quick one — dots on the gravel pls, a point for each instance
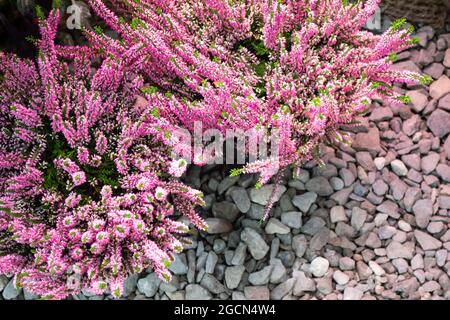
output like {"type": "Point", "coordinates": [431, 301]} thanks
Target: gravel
{"type": "Point", "coordinates": [256, 245]}
{"type": "Point", "coordinates": [149, 285]}
{"type": "Point", "coordinates": [197, 292]}
{"type": "Point", "coordinates": [319, 266]}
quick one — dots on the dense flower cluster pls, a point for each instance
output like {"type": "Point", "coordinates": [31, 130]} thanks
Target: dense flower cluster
{"type": "Point", "coordinates": [303, 67]}
{"type": "Point", "coordinates": [88, 184]}
{"type": "Point", "coordinates": [190, 57]}
{"type": "Point", "coordinates": [300, 67]}
{"type": "Point", "coordinates": [86, 196]}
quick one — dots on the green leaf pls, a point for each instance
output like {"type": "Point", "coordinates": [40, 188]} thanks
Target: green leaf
{"type": "Point", "coordinates": [168, 94]}
{"type": "Point", "coordinates": [426, 80]}
{"type": "Point", "coordinates": [10, 213]}
{"type": "Point", "coordinates": [136, 23]}
{"type": "Point", "coordinates": [405, 99]}
{"type": "Point", "coordinates": [392, 56]}
{"type": "Point", "coordinates": [219, 84]}
{"type": "Point", "coordinates": [398, 24]}
{"type": "Point", "coordinates": [166, 263]}
{"type": "Point", "coordinates": [98, 30]}
{"type": "Point", "coordinates": [236, 172]}
{"type": "Point", "coordinates": [316, 101]}
{"type": "Point", "coordinates": [260, 69]}
{"type": "Point", "coordinates": [415, 40]}
{"type": "Point", "coordinates": [155, 112]}
{"type": "Point", "coordinates": [39, 12]}
{"type": "Point", "coordinates": [149, 90]}
{"type": "Point", "coordinates": [56, 4]}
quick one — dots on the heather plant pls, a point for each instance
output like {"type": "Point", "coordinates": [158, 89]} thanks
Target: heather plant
{"type": "Point", "coordinates": [300, 67]}
{"type": "Point", "coordinates": [88, 190]}
{"type": "Point", "coordinates": [192, 62]}
{"type": "Point", "coordinates": [88, 184]}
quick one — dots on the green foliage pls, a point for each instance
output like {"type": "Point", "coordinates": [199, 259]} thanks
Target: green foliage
{"type": "Point", "coordinates": [56, 148]}
{"type": "Point", "coordinates": [168, 94]}
{"type": "Point", "coordinates": [260, 69]}
{"type": "Point", "coordinates": [155, 112]}
{"type": "Point", "coordinates": [392, 56]}
{"type": "Point", "coordinates": [106, 174]}
{"type": "Point", "coordinates": [98, 30]}
{"type": "Point", "coordinates": [425, 80]}
{"type": "Point", "coordinates": [219, 84]}
{"type": "Point", "coordinates": [149, 90]}
{"type": "Point", "coordinates": [398, 24]}
{"type": "Point", "coordinates": [136, 23]}
{"type": "Point", "coordinates": [415, 40]}
{"type": "Point", "coordinates": [405, 99]}
{"type": "Point", "coordinates": [380, 84]}
{"type": "Point", "coordinates": [166, 263]}
{"type": "Point", "coordinates": [56, 4]}
{"type": "Point", "coordinates": [236, 172]}
{"type": "Point", "coordinates": [31, 39]}
{"type": "Point", "coordinates": [316, 101]}
{"type": "Point", "coordinates": [51, 179]}
{"type": "Point", "coordinates": [40, 12]}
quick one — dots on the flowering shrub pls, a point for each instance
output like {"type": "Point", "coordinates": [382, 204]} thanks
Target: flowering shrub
{"type": "Point", "coordinates": [86, 183]}
{"type": "Point", "coordinates": [300, 67]}
{"type": "Point", "coordinates": [190, 56]}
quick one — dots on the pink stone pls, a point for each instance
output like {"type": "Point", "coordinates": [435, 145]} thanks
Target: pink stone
{"type": "Point", "coordinates": [440, 87]}
{"type": "Point", "coordinates": [438, 122]}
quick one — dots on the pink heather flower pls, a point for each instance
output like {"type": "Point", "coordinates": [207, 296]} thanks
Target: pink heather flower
{"type": "Point", "coordinates": [101, 145]}
{"type": "Point", "coordinates": [74, 235]}
{"type": "Point", "coordinates": [11, 263]}
{"type": "Point", "coordinates": [149, 209]}
{"type": "Point", "coordinates": [121, 231]}
{"type": "Point", "coordinates": [113, 111]}
{"type": "Point", "coordinates": [72, 200]}
{"type": "Point", "coordinates": [78, 178]}
{"type": "Point", "coordinates": [95, 161]}
{"type": "Point", "coordinates": [106, 194]}
{"type": "Point", "coordinates": [76, 253]}
{"type": "Point", "coordinates": [102, 238]}
{"type": "Point", "coordinates": [177, 167]}
{"type": "Point", "coordinates": [98, 224]}
{"type": "Point", "coordinates": [143, 165]}
{"type": "Point", "coordinates": [99, 287]}
{"type": "Point", "coordinates": [138, 225]}
{"type": "Point", "coordinates": [96, 248]}
{"type": "Point", "coordinates": [117, 287]}
{"type": "Point", "coordinates": [148, 197]}
{"type": "Point", "coordinates": [161, 194]}
{"type": "Point", "coordinates": [143, 184]}
{"type": "Point", "coordinates": [68, 165]}
{"type": "Point", "coordinates": [87, 237]}
{"type": "Point", "coordinates": [130, 198]}
{"type": "Point", "coordinates": [69, 222]}
{"type": "Point", "coordinates": [125, 214]}
{"type": "Point", "coordinates": [83, 155]}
